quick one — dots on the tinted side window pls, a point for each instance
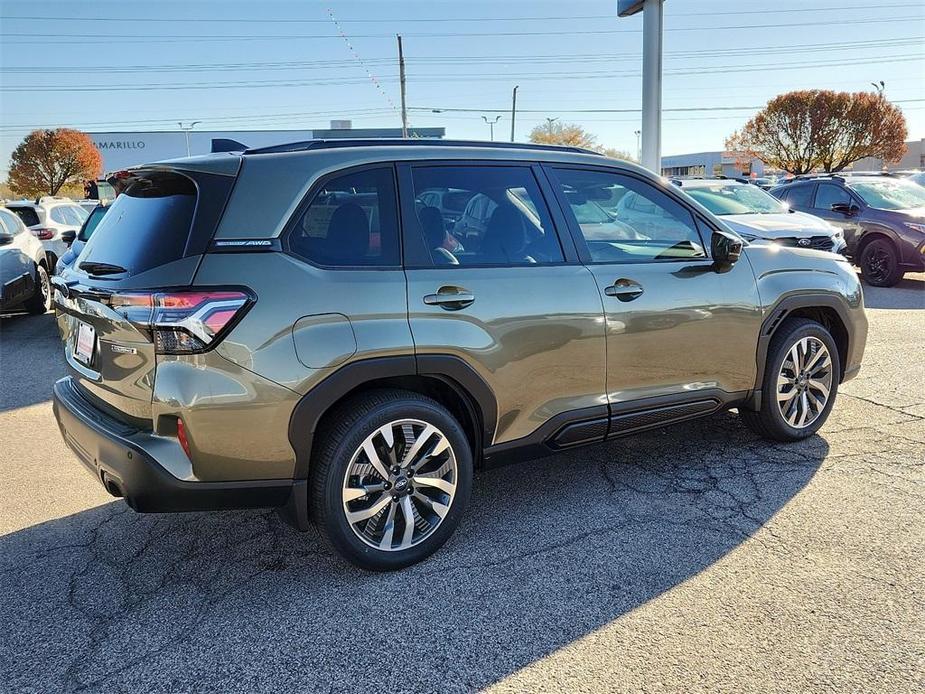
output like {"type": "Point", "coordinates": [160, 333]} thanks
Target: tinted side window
{"type": "Point", "coordinates": [28, 215]}
{"type": "Point", "coordinates": [623, 219]}
{"type": "Point", "coordinates": [799, 195]}
{"type": "Point", "coordinates": [351, 221]}
{"type": "Point", "coordinates": [504, 221]}
{"type": "Point", "coordinates": [828, 194]}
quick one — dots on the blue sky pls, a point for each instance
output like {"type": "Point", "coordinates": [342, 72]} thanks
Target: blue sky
{"type": "Point", "coordinates": [251, 65]}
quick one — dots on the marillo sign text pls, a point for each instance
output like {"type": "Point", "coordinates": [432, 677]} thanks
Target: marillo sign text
{"type": "Point", "coordinates": [125, 144]}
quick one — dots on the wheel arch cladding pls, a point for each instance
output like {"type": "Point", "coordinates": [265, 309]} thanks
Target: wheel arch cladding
{"type": "Point", "coordinates": [828, 310]}
{"type": "Point", "coordinates": [446, 379]}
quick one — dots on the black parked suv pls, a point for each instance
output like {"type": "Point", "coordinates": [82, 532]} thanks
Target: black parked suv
{"type": "Point", "coordinates": [883, 219]}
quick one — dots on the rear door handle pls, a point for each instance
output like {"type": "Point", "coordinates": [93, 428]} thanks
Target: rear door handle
{"type": "Point", "coordinates": [450, 298]}
{"type": "Point", "coordinates": [624, 289]}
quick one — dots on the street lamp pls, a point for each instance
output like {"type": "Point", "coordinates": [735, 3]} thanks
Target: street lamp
{"type": "Point", "coordinates": [638, 152]}
{"type": "Point", "coordinates": [186, 130]}
{"type": "Point", "coordinates": [491, 124]}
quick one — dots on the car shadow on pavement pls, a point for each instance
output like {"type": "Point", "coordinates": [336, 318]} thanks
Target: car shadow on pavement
{"type": "Point", "coordinates": [30, 353]}
{"type": "Point", "coordinates": [549, 551]}
{"type": "Point", "coordinates": [909, 293]}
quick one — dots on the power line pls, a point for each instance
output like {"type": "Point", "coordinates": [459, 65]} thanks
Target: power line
{"type": "Point", "coordinates": [447, 79]}
{"type": "Point", "coordinates": [181, 38]}
{"type": "Point", "coordinates": [263, 20]}
{"type": "Point", "coordinates": [467, 59]}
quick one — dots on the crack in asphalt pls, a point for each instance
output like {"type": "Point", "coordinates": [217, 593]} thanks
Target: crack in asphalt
{"type": "Point", "coordinates": [618, 524]}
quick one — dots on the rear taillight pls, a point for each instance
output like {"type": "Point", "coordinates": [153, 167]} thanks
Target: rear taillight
{"type": "Point", "coordinates": [183, 322]}
{"type": "Point", "coordinates": [43, 234]}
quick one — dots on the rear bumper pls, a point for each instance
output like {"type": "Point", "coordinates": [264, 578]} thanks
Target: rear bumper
{"type": "Point", "coordinates": [114, 453]}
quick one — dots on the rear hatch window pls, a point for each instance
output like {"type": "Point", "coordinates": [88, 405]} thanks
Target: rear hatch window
{"type": "Point", "coordinates": [28, 215]}
{"type": "Point", "coordinates": [147, 226]}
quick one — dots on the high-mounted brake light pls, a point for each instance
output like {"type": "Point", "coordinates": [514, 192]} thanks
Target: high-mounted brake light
{"type": "Point", "coordinates": [182, 322]}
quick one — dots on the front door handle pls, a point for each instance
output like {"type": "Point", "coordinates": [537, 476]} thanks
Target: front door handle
{"type": "Point", "coordinates": [450, 298]}
{"type": "Point", "coordinates": [624, 289]}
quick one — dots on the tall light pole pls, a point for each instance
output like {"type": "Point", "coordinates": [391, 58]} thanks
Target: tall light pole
{"type": "Point", "coordinates": [186, 130]}
{"type": "Point", "coordinates": [491, 124]}
{"type": "Point", "coordinates": [638, 152]}
{"type": "Point", "coordinates": [652, 21]}
{"type": "Point", "coordinates": [513, 111]}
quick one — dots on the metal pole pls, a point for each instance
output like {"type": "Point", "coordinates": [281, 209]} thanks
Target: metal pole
{"type": "Point", "coordinates": [513, 111]}
{"type": "Point", "coordinates": [401, 79]}
{"type": "Point", "coordinates": [652, 85]}
{"type": "Point", "coordinates": [491, 125]}
{"type": "Point", "coordinates": [186, 132]}
{"type": "Point", "coordinates": [638, 152]}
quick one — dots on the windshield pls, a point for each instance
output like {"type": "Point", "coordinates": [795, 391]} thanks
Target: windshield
{"type": "Point", "coordinates": [736, 199]}
{"type": "Point", "coordinates": [888, 194]}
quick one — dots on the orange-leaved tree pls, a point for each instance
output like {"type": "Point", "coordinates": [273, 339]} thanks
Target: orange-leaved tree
{"type": "Point", "coordinates": [814, 129]}
{"type": "Point", "coordinates": [47, 160]}
{"type": "Point", "coordinates": [555, 133]}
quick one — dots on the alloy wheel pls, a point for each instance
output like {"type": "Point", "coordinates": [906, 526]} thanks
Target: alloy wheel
{"type": "Point", "coordinates": [804, 382]}
{"type": "Point", "coordinates": [400, 484]}
{"type": "Point", "coordinates": [879, 265]}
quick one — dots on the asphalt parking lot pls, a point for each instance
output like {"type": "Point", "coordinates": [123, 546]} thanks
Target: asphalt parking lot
{"type": "Point", "coordinates": [691, 559]}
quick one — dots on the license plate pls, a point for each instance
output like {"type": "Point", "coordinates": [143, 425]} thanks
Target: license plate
{"type": "Point", "coordinates": [86, 341]}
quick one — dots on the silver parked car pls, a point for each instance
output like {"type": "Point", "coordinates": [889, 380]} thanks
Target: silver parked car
{"type": "Point", "coordinates": [754, 214]}
{"type": "Point", "coordinates": [23, 271]}
{"type": "Point", "coordinates": [53, 220]}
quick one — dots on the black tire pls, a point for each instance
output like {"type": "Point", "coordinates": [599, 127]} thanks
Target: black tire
{"type": "Point", "coordinates": [880, 263]}
{"type": "Point", "coordinates": [769, 422]}
{"type": "Point", "coordinates": [344, 432]}
{"type": "Point", "coordinates": [40, 301]}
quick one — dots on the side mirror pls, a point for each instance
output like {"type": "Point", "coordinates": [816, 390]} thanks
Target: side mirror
{"type": "Point", "coordinates": [845, 208]}
{"type": "Point", "coordinates": [725, 248]}
{"type": "Point", "coordinates": [68, 236]}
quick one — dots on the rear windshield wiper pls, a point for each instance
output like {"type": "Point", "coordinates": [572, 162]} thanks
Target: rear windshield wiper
{"type": "Point", "coordinates": [101, 268]}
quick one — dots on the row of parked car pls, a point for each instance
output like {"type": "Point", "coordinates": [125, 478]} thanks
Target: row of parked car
{"type": "Point", "coordinates": [37, 238]}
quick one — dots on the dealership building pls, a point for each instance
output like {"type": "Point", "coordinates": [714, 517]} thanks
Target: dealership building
{"type": "Point", "coordinates": [120, 150]}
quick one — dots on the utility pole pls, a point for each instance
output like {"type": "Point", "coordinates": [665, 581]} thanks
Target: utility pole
{"type": "Point", "coordinates": [513, 111]}
{"type": "Point", "coordinates": [401, 79]}
{"type": "Point", "coordinates": [186, 130]}
{"type": "Point", "coordinates": [491, 124]}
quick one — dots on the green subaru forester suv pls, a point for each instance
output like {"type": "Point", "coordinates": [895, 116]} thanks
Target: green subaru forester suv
{"type": "Point", "coordinates": [348, 329]}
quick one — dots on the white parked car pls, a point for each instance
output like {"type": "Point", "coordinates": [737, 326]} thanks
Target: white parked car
{"type": "Point", "coordinates": [24, 280]}
{"type": "Point", "coordinates": [754, 214]}
{"type": "Point", "coordinates": [54, 221]}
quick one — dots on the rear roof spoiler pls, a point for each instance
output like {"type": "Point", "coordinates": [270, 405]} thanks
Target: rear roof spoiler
{"type": "Point", "coordinates": [221, 144]}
